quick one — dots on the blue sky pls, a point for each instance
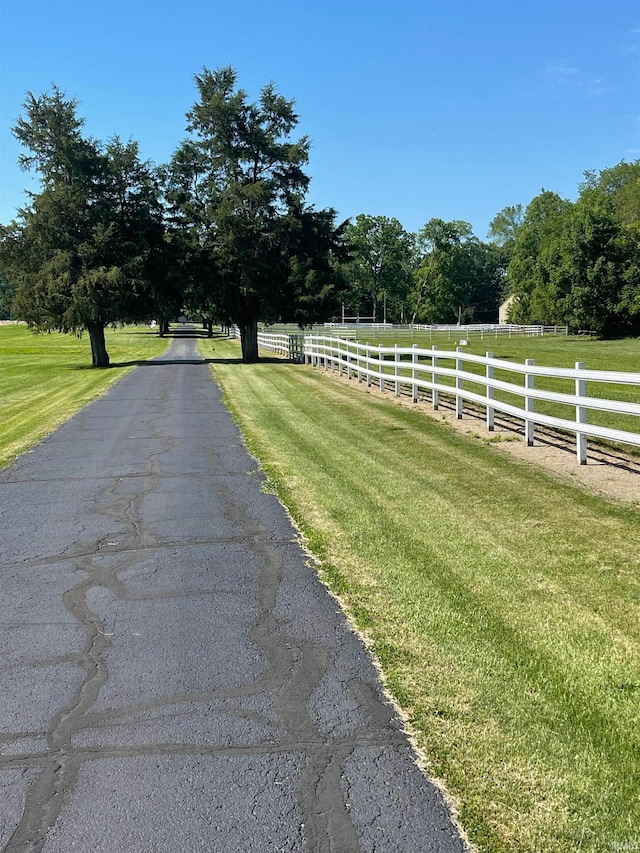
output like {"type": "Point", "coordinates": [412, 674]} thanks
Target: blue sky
{"type": "Point", "coordinates": [415, 109]}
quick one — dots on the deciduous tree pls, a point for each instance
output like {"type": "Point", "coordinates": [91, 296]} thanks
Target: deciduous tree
{"type": "Point", "coordinates": [579, 264]}
{"type": "Point", "coordinates": [459, 277]}
{"type": "Point", "coordinates": [504, 225]}
{"type": "Point", "coordinates": [534, 258]}
{"type": "Point", "coordinates": [380, 268]}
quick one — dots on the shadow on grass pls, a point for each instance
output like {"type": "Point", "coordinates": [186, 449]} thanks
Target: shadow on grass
{"type": "Point", "coordinates": [180, 333]}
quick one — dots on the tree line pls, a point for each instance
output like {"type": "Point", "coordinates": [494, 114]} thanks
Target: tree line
{"type": "Point", "coordinates": [224, 232]}
{"type": "Point", "coordinates": [577, 263]}
{"type": "Point", "coordinates": [564, 263]}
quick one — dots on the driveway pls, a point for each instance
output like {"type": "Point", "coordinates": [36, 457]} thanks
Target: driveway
{"type": "Point", "coordinates": [174, 676]}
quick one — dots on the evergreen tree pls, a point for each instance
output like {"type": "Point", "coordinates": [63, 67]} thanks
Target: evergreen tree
{"type": "Point", "coordinates": [238, 188]}
{"type": "Point", "coordinates": [80, 253]}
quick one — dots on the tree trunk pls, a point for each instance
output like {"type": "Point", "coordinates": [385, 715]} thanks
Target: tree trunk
{"type": "Point", "coordinates": [99, 354]}
{"type": "Point", "coordinates": [249, 341]}
{"type": "Point", "coordinates": [165, 327]}
{"type": "Point", "coordinates": [210, 327]}
{"type": "Point", "coordinates": [161, 328]}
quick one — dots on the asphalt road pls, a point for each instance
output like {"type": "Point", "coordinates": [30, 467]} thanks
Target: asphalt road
{"type": "Point", "coordinates": [173, 675]}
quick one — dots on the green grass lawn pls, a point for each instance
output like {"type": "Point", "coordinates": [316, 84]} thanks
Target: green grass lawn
{"type": "Point", "coordinates": [45, 379]}
{"type": "Point", "coordinates": [502, 605]}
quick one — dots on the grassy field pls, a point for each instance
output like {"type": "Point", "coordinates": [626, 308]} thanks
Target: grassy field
{"type": "Point", "coordinates": [502, 605]}
{"type": "Point", "coordinates": [45, 379]}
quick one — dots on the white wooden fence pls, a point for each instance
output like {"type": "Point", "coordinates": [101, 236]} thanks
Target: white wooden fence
{"type": "Point", "coordinates": [288, 346]}
{"type": "Point", "coordinates": [497, 329]}
{"type": "Point", "coordinates": [460, 330]}
{"type": "Point", "coordinates": [417, 370]}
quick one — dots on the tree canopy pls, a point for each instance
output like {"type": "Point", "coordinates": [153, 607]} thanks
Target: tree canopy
{"type": "Point", "coordinates": [459, 278]}
{"type": "Point", "coordinates": [224, 231]}
{"type": "Point", "coordinates": [7, 292]}
{"type": "Point", "coordinates": [379, 270]}
{"type": "Point", "coordinates": [504, 225]}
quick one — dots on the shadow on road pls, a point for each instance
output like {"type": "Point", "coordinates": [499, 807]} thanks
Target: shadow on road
{"type": "Point", "coordinates": [160, 362]}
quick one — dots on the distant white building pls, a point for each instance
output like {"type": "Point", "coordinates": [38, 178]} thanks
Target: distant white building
{"type": "Point", "coordinates": [505, 309]}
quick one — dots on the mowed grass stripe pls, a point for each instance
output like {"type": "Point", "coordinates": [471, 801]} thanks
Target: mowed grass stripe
{"type": "Point", "coordinates": [502, 605]}
{"type": "Point", "coordinates": [381, 501]}
{"type": "Point", "coordinates": [510, 533]}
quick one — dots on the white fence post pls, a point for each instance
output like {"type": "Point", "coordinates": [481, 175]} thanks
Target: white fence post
{"type": "Point", "coordinates": [368, 356]}
{"type": "Point", "coordinates": [581, 418]}
{"type": "Point", "coordinates": [490, 393]}
{"type": "Point", "coordinates": [381, 366]}
{"type": "Point", "coordinates": [459, 384]}
{"type": "Point", "coordinates": [529, 403]}
{"type": "Point", "coordinates": [397, 370]}
{"type": "Point", "coordinates": [435, 397]}
{"type": "Point", "coordinates": [414, 375]}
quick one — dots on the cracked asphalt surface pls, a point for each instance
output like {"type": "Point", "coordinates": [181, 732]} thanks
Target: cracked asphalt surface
{"type": "Point", "coordinates": [174, 676]}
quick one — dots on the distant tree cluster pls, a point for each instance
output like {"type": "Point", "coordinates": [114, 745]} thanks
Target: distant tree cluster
{"type": "Point", "coordinates": [578, 263]}
{"type": "Point", "coordinates": [574, 264]}
{"type": "Point", "coordinates": [442, 274]}
{"type": "Point", "coordinates": [224, 232]}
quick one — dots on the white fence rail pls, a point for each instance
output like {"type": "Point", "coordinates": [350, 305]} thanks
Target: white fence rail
{"type": "Point", "coordinates": [462, 330]}
{"type": "Point", "coordinates": [281, 343]}
{"type": "Point", "coordinates": [417, 370]}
